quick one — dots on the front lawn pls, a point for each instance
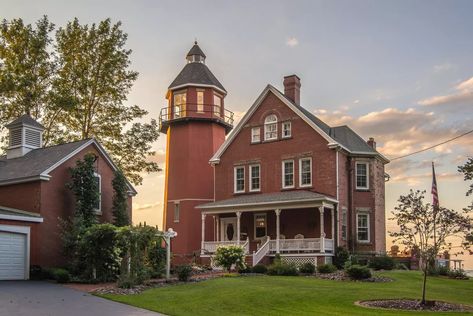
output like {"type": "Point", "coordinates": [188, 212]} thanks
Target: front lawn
{"type": "Point", "coordinates": [266, 295]}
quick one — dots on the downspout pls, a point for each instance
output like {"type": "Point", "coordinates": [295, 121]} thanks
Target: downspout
{"type": "Point", "coordinates": [350, 204]}
{"type": "Point", "coordinates": [338, 197]}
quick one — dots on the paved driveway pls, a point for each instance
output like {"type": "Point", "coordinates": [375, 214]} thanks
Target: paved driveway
{"type": "Point", "coordinates": [25, 298]}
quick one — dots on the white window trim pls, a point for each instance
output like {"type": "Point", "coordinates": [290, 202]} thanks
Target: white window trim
{"type": "Point", "coordinates": [368, 228]}
{"type": "Point", "coordinates": [178, 205]}
{"type": "Point", "coordinates": [253, 129]}
{"type": "Point", "coordinates": [235, 179]}
{"type": "Point", "coordinates": [271, 123]}
{"type": "Point", "coordinates": [367, 175]}
{"type": "Point", "coordinates": [219, 114]}
{"type": "Point", "coordinates": [181, 106]}
{"type": "Point", "coordinates": [251, 178]}
{"type": "Point", "coordinates": [300, 172]}
{"type": "Point", "coordinates": [290, 130]}
{"type": "Point", "coordinates": [283, 174]}
{"type": "Point", "coordinates": [265, 225]}
{"type": "Point", "coordinates": [99, 210]}
{"type": "Point", "coordinates": [25, 230]}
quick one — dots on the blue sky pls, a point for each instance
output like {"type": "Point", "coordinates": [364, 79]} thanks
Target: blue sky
{"type": "Point", "coordinates": [398, 71]}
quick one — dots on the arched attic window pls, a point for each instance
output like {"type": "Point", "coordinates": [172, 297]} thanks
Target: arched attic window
{"type": "Point", "coordinates": [271, 127]}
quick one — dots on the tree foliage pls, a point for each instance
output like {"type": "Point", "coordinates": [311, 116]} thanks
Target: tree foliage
{"type": "Point", "coordinates": [467, 170]}
{"type": "Point", "coordinates": [120, 200]}
{"type": "Point", "coordinates": [77, 87]}
{"type": "Point", "coordinates": [429, 229]}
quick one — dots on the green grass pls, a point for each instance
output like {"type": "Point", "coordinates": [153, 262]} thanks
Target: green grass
{"type": "Point", "coordinates": [265, 295]}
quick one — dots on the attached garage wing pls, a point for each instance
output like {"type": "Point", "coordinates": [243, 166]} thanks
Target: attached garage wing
{"type": "Point", "coordinates": [14, 255]}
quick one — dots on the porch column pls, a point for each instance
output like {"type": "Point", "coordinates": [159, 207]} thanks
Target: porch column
{"type": "Point", "coordinates": [217, 238]}
{"type": "Point", "coordinates": [238, 214]}
{"type": "Point", "coordinates": [322, 230]}
{"type": "Point", "coordinates": [332, 212]}
{"type": "Point", "coordinates": [278, 212]}
{"type": "Point", "coordinates": [203, 234]}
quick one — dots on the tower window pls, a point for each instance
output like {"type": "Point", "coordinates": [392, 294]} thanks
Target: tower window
{"type": "Point", "coordinates": [200, 101]}
{"type": "Point", "coordinates": [217, 105]}
{"type": "Point", "coordinates": [177, 211]}
{"type": "Point", "coordinates": [179, 105]}
{"type": "Point", "coordinates": [271, 127]}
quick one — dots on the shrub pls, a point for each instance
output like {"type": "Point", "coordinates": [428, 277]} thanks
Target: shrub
{"type": "Point", "coordinates": [184, 272]}
{"type": "Point", "coordinates": [281, 268]}
{"type": "Point", "coordinates": [307, 267]}
{"type": "Point", "coordinates": [37, 273]}
{"type": "Point", "coordinates": [259, 268]}
{"type": "Point", "coordinates": [382, 263]}
{"type": "Point", "coordinates": [326, 268]}
{"type": "Point", "coordinates": [458, 274]}
{"type": "Point", "coordinates": [443, 271]}
{"type": "Point", "coordinates": [60, 275]}
{"type": "Point", "coordinates": [358, 272]}
{"type": "Point", "coordinates": [227, 256]}
{"type": "Point", "coordinates": [341, 256]}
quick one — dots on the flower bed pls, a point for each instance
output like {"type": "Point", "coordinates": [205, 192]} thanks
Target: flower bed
{"type": "Point", "coordinates": [415, 305]}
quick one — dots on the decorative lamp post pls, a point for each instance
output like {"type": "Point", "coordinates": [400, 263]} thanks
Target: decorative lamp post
{"type": "Point", "coordinates": [167, 238]}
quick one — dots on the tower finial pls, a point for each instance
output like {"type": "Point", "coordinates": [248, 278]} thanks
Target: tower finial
{"type": "Point", "coordinates": [195, 40]}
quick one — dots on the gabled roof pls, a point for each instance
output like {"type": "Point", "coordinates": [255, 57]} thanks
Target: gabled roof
{"type": "Point", "coordinates": [196, 74]}
{"type": "Point", "coordinates": [39, 163]}
{"type": "Point", "coordinates": [341, 136]}
{"type": "Point", "coordinates": [25, 119]}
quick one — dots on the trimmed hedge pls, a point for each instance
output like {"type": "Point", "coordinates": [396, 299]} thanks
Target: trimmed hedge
{"type": "Point", "coordinates": [326, 268]}
{"type": "Point", "coordinates": [358, 272]}
{"type": "Point", "coordinates": [60, 275]}
{"type": "Point", "coordinates": [259, 268]}
{"type": "Point", "coordinates": [281, 268]}
{"type": "Point", "coordinates": [382, 263]}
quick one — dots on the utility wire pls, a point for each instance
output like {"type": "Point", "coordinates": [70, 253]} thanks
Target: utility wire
{"type": "Point", "coordinates": [436, 145]}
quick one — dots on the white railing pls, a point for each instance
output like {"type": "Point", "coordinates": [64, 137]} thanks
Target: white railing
{"type": "Point", "coordinates": [211, 246]}
{"type": "Point", "coordinates": [262, 251]}
{"type": "Point", "coordinates": [301, 245]}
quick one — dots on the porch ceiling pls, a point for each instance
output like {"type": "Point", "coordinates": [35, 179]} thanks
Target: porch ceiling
{"type": "Point", "coordinates": [265, 201]}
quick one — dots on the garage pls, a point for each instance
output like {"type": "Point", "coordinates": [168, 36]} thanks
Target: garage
{"type": "Point", "coordinates": [14, 259]}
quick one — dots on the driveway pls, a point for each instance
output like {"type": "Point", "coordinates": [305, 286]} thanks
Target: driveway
{"type": "Point", "coordinates": [25, 298]}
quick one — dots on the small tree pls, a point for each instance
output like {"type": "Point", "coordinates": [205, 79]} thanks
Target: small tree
{"type": "Point", "coordinates": [85, 188]}
{"type": "Point", "coordinates": [120, 200]}
{"type": "Point", "coordinates": [419, 222]}
{"type": "Point", "coordinates": [227, 256]}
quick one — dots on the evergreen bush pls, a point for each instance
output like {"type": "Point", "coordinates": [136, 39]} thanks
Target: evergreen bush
{"type": "Point", "coordinates": [358, 272]}
{"type": "Point", "coordinates": [326, 268]}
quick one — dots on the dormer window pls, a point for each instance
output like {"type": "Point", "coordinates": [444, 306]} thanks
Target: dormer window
{"type": "Point", "coordinates": [271, 127]}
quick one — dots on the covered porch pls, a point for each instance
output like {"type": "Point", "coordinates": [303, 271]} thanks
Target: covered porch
{"type": "Point", "coordinates": [293, 223]}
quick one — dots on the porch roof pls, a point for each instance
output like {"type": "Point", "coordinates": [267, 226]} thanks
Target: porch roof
{"type": "Point", "coordinates": [281, 200]}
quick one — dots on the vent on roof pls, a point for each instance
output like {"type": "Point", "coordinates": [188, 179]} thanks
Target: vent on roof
{"type": "Point", "coordinates": [15, 137]}
{"type": "Point", "coordinates": [32, 138]}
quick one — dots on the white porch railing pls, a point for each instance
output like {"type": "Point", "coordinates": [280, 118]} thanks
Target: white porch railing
{"type": "Point", "coordinates": [301, 245]}
{"type": "Point", "coordinates": [262, 251]}
{"type": "Point", "coordinates": [211, 246]}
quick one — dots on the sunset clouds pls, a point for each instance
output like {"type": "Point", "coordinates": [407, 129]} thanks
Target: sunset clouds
{"type": "Point", "coordinates": [463, 93]}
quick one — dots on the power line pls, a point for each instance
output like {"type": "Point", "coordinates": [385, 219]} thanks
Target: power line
{"type": "Point", "coordinates": [436, 145]}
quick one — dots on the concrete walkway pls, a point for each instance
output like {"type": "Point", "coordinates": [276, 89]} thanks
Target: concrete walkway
{"type": "Point", "coordinates": [26, 298]}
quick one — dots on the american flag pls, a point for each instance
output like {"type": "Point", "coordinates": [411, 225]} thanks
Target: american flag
{"type": "Point", "coordinates": [435, 196]}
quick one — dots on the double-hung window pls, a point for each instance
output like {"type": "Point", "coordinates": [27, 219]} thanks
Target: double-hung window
{"type": "Point", "coordinates": [98, 202]}
{"type": "Point", "coordinates": [305, 172]}
{"type": "Point", "coordinates": [362, 175]}
{"type": "Point", "coordinates": [255, 135]}
{"type": "Point", "coordinates": [255, 181]}
{"type": "Point", "coordinates": [363, 227]}
{"type": "Point", "coordinates": [239, 174]}
{"type": "Point", "coordinates": [271, 127]}
{"type": "Point", "coordinates": [286, 130]}
{"type": "Point", "coordinates": [288, 174]}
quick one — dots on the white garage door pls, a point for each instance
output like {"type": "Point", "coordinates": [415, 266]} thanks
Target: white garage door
{"type": "Point", "coordinates": [12, 256]}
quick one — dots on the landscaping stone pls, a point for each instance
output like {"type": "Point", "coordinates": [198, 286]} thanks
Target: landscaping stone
{"type": "Point", "coordinates": [415, 305]}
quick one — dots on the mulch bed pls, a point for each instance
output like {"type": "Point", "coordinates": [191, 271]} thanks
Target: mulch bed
{"type": "Point", "coordinates": [340, 275]}
{"type": "Point", "coordinates": [414, 305]}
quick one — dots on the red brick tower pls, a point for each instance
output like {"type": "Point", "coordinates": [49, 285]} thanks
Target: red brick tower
{"type": "Point", "coordinates": [195, 121]}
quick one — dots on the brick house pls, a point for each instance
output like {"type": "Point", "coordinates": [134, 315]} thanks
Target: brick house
{"type": "Point", "coordinates": [33, 196]}
{"type": "Point", "coordinates": [282, 182]}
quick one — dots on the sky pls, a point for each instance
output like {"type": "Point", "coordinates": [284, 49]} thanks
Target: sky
{"type": "Point", "coordinates": [398, 71]}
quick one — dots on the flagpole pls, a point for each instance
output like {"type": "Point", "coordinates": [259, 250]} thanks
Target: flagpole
{"type": "Point", "coordinates": [435, 206]}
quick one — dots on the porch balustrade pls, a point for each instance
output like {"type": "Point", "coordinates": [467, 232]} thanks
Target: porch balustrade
{"type": "Point", "coordinates": [300, 245]}
{"type": "Point", "coordinates": [211, 246]}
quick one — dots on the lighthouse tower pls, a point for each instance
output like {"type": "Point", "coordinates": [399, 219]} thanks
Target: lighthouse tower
{"type": "Point", "coordinates": [195, 122]}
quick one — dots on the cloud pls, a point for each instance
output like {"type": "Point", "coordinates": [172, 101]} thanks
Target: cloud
{"type": "Point", "coordinates": [443, 67]}
{"type": "Point", "coordinates": [140, 207]}
{"type": "Point", "coordinates": [463, 93]}
{"type": "Point", "coordinates": [292, 41]}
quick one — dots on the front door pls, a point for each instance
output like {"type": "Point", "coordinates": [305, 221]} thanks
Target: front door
{"type": "Point", "coordinates": [228, 231]}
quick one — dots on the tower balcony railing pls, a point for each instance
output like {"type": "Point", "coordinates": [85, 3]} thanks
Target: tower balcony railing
{"type": "Point", "coordinates": [195, 111]}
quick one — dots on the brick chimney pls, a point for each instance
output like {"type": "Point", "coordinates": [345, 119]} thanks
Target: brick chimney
{"type": "Point", "coordinates": [371, 143]}
{"type": "Point", "coordinates": [292, 88]}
